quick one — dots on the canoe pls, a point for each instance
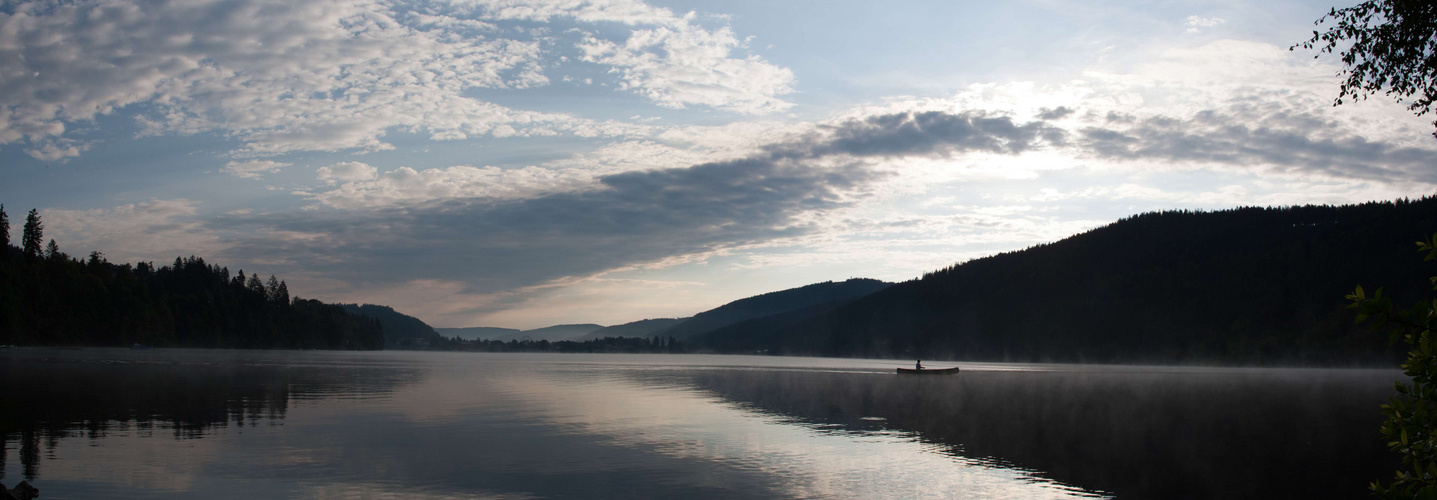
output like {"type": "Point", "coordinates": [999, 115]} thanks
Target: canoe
{"type": "Point", "coordinates": [929, 371]}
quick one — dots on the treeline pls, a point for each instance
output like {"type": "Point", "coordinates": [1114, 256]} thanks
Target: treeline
{"type": "Point", "coordinates": [49, 298]}
{"type": "Point", "coordinates": [1248, 285]}
{"type": "Point", "coordinates": [606, 344]}
{"type": "Point", "coordinates": [401, 331]}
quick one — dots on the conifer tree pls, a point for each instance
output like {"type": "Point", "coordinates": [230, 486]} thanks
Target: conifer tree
{"type": "Point", "coordinates": [52, 250]}
{"type": "Point", "coordinates": [271, 289]}
{"type": "Point", "coordinates": [283, 293]}
{"type": "Point", "coordinates": [34, 233]}
{"type": "Point", "coordinates": [255, 285]}
{"type": "Point", "coordinates": [4, 229]}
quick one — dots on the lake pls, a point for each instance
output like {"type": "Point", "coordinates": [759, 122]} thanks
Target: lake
{"type": "Point", "coordinates": [173, 423]}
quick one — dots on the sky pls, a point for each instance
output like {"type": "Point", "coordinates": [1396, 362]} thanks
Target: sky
{"type": "Point", "coordinates": [525, 163]}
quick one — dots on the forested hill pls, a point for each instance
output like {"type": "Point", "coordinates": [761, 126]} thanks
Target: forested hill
{"type": "Point", "coordinates": [1249, 285]}
{"type": "Point", "coordinates": [51, 299]}
{"type": "Point", "coordinates": [643, 328]}
{"type": "Point", "coordinates": [772, 303]}
{"type": "Point", "coordinates": [400, 330]}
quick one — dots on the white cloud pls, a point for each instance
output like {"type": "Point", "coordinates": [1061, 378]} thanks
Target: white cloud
{"type": "Point", "coordinates": [56, 150]}
{"type": "Point", "coordinates": [687, 65]}
{"type": "Point", "coordinates": [1196, 24]}
{"type": "Point", "coordinates": [336, 80]}
{"type": "Point", "coordinates": [349, 171]}
{"type": "Point", "coordinates": [630, 12]}
{"type": "Point", "coordinates": [329, 75]}
{"type": "Point", "coordinates": [252, 169]}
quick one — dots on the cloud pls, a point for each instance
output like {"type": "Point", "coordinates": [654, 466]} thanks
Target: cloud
{"type": "Point", "coordinates": [932, 132]}
{"type": "Point", "coordinates": [157, 229]}
{"type": "Point", "coordinates": [505, 230]}
{"type": "Point", "coordinates": [684, 65]}
{"type": "Point", "coordinates": [334, 75]}
{"type": "Point", "coordinates": [502, 230]}
{"type": "Point", "coordinates": [1196, 24]}
{"type": "Point", "coordinates": [502, 245]}
{"type": "Point", "coordinates": [589, 11]}
{"type": "Point", "coordinates": [1259, 138]}
{"type": "Point", "coordinates": [406, 186]}
{"type": "Point", "coordinates": [252, 169]}
{"type": "Point", "coordinates": [56, 150]}
{"type": "Point", "coordinates": [349, 171]}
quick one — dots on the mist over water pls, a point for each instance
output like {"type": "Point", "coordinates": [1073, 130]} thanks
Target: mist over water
{"type": "Point", "coordinates": [100, 423]}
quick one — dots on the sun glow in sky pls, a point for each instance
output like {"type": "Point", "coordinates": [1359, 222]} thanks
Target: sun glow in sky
{"type": "Point", "coordinates": [523, 163]}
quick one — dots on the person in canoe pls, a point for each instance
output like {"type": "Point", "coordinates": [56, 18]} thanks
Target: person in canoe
{"type": "Point", "coordinates": [918, 365]}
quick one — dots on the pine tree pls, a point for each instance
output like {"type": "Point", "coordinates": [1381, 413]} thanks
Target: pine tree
{"type": "Point", "coordinates": [283, 293]}
{"type": "Point", "coordinates": [34, 233]}
{"type": "Point", "coordinates": [4, 230]}
{"type": "Point", "coordinates": [255, 285]}
{"type": "Point", "coordinates": [271, 289]}
{"type": "Point", "coordinates": [52, 250]}
{"type": "Point", "coordinates": [96, 259]}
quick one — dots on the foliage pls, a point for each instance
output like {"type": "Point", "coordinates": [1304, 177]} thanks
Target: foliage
{"type": "Point", "coordinates": [1411, 425]}
{"type": "Point", "coordinates": [1393, 49]}
{"type": "Point", "coordinates": [34, 232]}
{"type": "Point", "coordinates": [65, 301]}
{"type": "Point", "coordinates": [4, 228]}
{"type": "Point", "coordinates": [401, 330]}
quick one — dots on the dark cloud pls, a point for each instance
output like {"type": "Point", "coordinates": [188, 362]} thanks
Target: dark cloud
{"type": "Point", "coordinates": [927, 133]}
{"type": "Point", "coordinates": [1057, 113]}
{"type": "Point", "coordinates": [1295, 142]}
{"type": "Point", "coordinates": [630, 218]}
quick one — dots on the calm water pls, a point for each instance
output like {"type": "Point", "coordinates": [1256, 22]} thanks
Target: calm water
{"type": "Point", "coordinates": [99, 423]}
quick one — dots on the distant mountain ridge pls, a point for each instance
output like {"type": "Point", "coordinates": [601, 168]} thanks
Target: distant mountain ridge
{"type": "Point", "coordinates": [638, 329]}
{"type": "Point", "coordinates": [476, 332]}
{"type": "Point", "coordinates": [1248, 285]}
{"type": "Point", "coordinates": [554, 333]}
{"type": "Point", "coordinates": [772, 303]}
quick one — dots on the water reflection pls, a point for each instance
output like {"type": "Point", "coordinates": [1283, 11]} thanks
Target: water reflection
{"type": "Point", "coordinates": [53, 394]}
{"type": "Point", "coordinates": [236, 424]}
{"type": "Point", "coordinates": [1139, 433]}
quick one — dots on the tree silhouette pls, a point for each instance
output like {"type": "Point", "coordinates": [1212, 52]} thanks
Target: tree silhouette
{"type": "Point", "coordinates": [64, 301]}
{"type": "Point", "coordinates": [4, 230]}
{"type": "Point", "coordinates": [1393, 50]}
{"type": "Point", "coordinates": [271, 289]}
{"type": "Point", "coordinates": [34, 232]}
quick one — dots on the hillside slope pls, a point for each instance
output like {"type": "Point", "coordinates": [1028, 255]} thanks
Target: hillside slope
{"type": "Point", "coordinates": [772, 303]}
{"type": "Point", "coordinates": [400, 330]}
{"type": "Point", "coordinates": [1249, 285]}
{"type": "Point", "coordinates": [643, 328]}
